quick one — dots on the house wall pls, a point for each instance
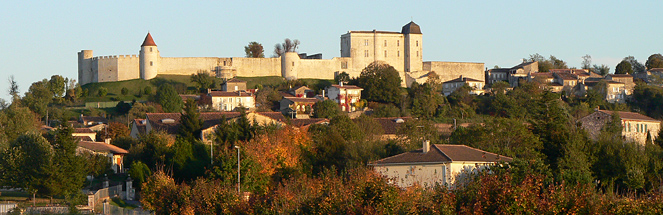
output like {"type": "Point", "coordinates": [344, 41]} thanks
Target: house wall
{"type": "Point", "coordinates": [451, 174]}
{"type": "Point", "coordinates": [92, 136]}
{"type": "Point", "coordinates": [636, 131]}
{"type": "Point", "coordinates": [230, 103]}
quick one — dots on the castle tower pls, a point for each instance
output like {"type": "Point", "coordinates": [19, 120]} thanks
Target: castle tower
{"type": "Point", "coordinates": [149, 58]}
{"type": "Point", "coordinates": [413, 50]}
{"type": "Point", "coordinates": [289, 61]}
{"type": "Point", "coordinates": [85, 67]}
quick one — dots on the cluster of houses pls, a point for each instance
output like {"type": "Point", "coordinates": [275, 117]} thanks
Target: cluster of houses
{"type": "Point", "coordinates": [430, 165]}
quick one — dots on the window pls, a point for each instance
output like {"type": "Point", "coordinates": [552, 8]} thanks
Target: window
{"type": "Point", "coordinates": [365, 53]}
{"type": "Point", "coordinates": [417, 43]}
{"type": "Point", "coordinates": [398, 43]}
{"type": "Point", "coordinates": [151, 64]}
{"type": "Point", "coordinates": [366, 42]}
{"type": "Point", "coordinates": [236, 88]}
{"type": "Point", "coordinates": [150, 49]}
{"type": "Point", "coordinates": [398, 53]}
{"type": "Point", "coordinates": [385, 43]}
{"type": "Point", "coordinates": [417, 53]}
{"type": "Point", "coordinates": [293, 63]}
{"type": "Point", "coordinates": [385, 53]}
{"type": "Point", "coordinates": [344, 65]}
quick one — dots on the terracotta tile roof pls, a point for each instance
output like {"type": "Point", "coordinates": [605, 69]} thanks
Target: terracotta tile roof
{"type": "Point", "coordinates": [101, 147]}
{"type": "Point", "coordinates": [630, 115]}
{"type": "Point", "coordinates": [230, 94]}
{"type": "Point", "coordinates": [390, 125]}
{"type": "Point", "coordinates": [278, 116]}
{"type": "Point", "coordinates": [351, 87]}
{"type": "Point", "coordinates": [566, 76]}
{"type": "Point", "coordinates": [542, 74]}
{"type": "Point", "coordinates": [84, 131]}
{"type": "Point", "coordinates": [620, 75]}
{"type": "Point", "coordinates": [522, 65]}
{"type": "Point", "coordinates": [286, 94]}
{"type": "Point", "coordinates": [442, 153]}
{"type": "Point", "coordinates": [307, 122]}
{"type": "Point", "coordinates": [148, 41]}
{"type": "Point", "coordinates": [462, 79]}
{"type": "Point", "coordinates": [235, 80]}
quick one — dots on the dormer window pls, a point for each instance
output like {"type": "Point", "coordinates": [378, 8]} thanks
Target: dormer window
{"type": "Point", "coordinates": [168, 121]}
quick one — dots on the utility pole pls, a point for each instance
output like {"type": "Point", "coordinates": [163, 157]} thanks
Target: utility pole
{"type": "Point", "coordinates": [238, 173]}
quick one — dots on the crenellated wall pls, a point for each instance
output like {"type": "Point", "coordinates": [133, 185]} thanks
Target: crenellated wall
{"type": "Point", "coordinates": [189, 65]}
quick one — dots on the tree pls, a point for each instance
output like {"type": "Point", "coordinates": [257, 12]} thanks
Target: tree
{"type": "Point", "coordinates": [586, 62]}
{"type": "Point", "coordinates": [266, 99]}
{"type": "Point", "coordinates": [27, 164]}
{"type": "Point", "coordinates": [624, 67]}
{"type": "Point", "coordinates": [342, 77]}
{"type": "Point", "coordinates": [138, 110]}
{"type": "Point", "coordinates": [102, 92]}
{"type": "Point", "coordinates": [147, 90]}
{"type": "Point", "coordinates": [654, 61]}
{"type": "Point", "coordinates": [381, 83]}
{"type": "Point", "coordinates": [203, 80]}
{"type": "Point", "coordinates": [326, 109]}
{"type": "Point", "coordinates": [254, 50]}
{"type": "Point", "coordinates": [191, 124]}
{"type": "Point", "coordinates": [424, 100]}
{"type": "Point", "coordinates": [169, 100]}
{"type": "Point", "coordinates": [124, 91]}
{"type": "Point", "coordinates": [68, 171]}
{"type": "Point", "coordinates": [57, 85]}
{"type": "Point", "coordinates": [637, 66]}
{"type": "Point", "coordinates": [113, 131]}
{"type": "Point", "coordinates": [602, 70]}
{"type": "Point", "coordinates": [546, 64]}
{"type": "Point", "coordinates": [15, 121]}
{"type": "Point", "coordinates": [13, 88]}
{"type": "Point", "coordinates": [287, 46]}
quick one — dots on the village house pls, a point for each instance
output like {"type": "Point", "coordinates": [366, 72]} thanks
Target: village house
{"type": "Point", "coordinates": [233, 85]}
{"type": "Point", "coordinates": [96, 123]}
{"type": "Point", "coordinates": [170, 122]}
{"type": "Point", "coordinates": [228, 101]}
{"type": "Point", "coordinates": [84, 134]}
{"type": "Point", "coordinates": [302, 92]}
{"type": "Point", "coordinates": [115, 154]}
{"type": "Point", "coordinates": [449, 87]}
{"type": "Point", "coordinates": [512, 75]}
{"type": "Point", "coordinates": [297, 107]}
{"type": "Point", "coordinates": [346, 96]}
{"type": "Point", "coordinates": [443, 164]}
{"type": "Point", "coordinates": [636, 126]}
{"type": "Point", "coordinates": [390, 126]}
{"type": "Point", "coordinates": [567, 80]}
{"type": "Point", "coordinates": [614, 92]}
{"type": "Point", "coordinates": [623, 78]}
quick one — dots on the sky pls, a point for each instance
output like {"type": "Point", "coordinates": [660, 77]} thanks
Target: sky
{"type": "Point", "coordinates": [39, 39]}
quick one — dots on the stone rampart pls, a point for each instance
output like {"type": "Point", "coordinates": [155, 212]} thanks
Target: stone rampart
{"type": "Point", "coordinates": [451, 70]}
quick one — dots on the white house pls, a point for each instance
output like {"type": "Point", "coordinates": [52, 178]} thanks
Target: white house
{"type": "Point", "coordinates": [435, 164]}
{"type": "Point", "coordinates": [115, 154]}
{"type": "Point", "coordinates": [449, 87]}
{"type": "Point", "coordinates": [345, 96]}
{"type": "Point", "coordinates": [228, 101]}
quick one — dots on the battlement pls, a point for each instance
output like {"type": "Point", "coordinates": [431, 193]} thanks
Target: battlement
{"type": "Point", "coordinates": [115, 57]}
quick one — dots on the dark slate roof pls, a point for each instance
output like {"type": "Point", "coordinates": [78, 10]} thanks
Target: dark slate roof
{"type": "Point", "coordinates": [442, 153]}
{"type": "Point", "coordinates": [148, 41]}
{"type": "Point", "coordinates": [101, 147]}
{"type": "Point", "coordinates": [499, 70]}
{"type": "Point", "coordinates": [463, 79]}
{"type": "Point", "coordinates": [140, 124]}
{"type": "Point", "coordinates": [390, 124]}
{"type": "Point", "coordinates": [630, 115]}
{"type": "Point", "coordinates": [352, 87]}
{"type": "Point", "coordinates": [411, 28]}
{"type": "Point", "coordinates": [656, 70]}
{"type": "Point", "coordinates": [307, 122]}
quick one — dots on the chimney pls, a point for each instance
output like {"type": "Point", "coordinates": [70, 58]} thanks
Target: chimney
{"type": "Point", "coordinates": [426, 146]}
{"type": "Point", "coordinates": [209, 90]}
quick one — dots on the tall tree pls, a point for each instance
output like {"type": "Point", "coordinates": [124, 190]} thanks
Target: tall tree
{"type": "Point", "coordinates": [586, 62]}
{"type": "Point", "coordinates": [546, 64]}
{"type": "Point", "coordinates": [624, 67]}
{"type": "Point", "coordinates": [191, 124]}
{"type": "Point", "coordinates": [287, 46]}
{"type": "Point", "coordinates": [57, 85]}
{"type": "Point", "coordinates": [68, 171]}
{"type": "Point", "coordinates": [601, 70]}
{"type": "Point", "coordinates": [637, 67]}
{"type": "Point", "coordinates": [15, 121]}
{"type": "Point", "coordinates": [381, 83]}
{"type": "Point", "coordinates": [13, 88]}
{"type": "Point", "coordinates": [654, 61]}
{"type": "Point", "coordinates": [169, 100]}
{"type": "Point", "coordinates": [203, 79]}
{"type": "Point", "coordinates": [326, 109]}
{"type": "Point", "coordinates": [254, 50]}
{"type": "Point", "coordinates": [27, 164]}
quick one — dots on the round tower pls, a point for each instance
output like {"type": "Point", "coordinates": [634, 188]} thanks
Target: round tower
{"type": "Point", "coordinates": [149, 58]}
{"type": "Point", "coordinates": [289, 61]}
{"type": "Point", "coordinates": [85, 67]}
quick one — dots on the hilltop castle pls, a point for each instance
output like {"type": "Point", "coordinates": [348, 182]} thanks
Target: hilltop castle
{"type": "Point", "coordinates": [402, 50]}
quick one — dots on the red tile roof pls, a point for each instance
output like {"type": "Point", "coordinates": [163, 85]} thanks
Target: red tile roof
{"type": "Point", "coordinates": [351, 87]}
{"type": "Point", "coordinates": [442, 153]}
{"type": "Point", "coordinates": [84, 131]}
{"type": "Point", "coordinates": [148, 41]}
{"type": "Point", "coordinates": [306, 122]}
{"type": "Point", "coordinates": [101, 147]}
{"type": "Point", "coordinates": [390, 125]}
{"type": "Point", "coordinates": [462, 79]}
{"type": "Point", "coordinates": [230, 94]}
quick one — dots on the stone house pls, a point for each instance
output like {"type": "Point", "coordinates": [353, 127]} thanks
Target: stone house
{"type": "Point", "coordinates": [115, 154]}
{"type": "Point", "coordinates": [346, 96]}
{"type": "Point", "coordinates": [512, 75]}
{"type": "Point", "coordinates": [449, 165]}
{"type": "Point", "coordinates": [233, 85]}
{"type": "Point", "coordinates": [635, 125]}
{"type": "Point", "coordinates": [228, 101]}
{"type": "Point", "coordinates": [623, 78]}
{"type": "Point", "coordinates": [85, 134]}
{"type": "Point", "coordinates": [449, 87]}
{"type": "Point", "coordinates": [614, 92]}
{"type": "Point", "coordinates": [297, 106]}
{"type": "Point", "coordinates": [302, 92]}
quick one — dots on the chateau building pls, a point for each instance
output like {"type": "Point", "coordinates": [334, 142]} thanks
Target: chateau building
{"type": "Point", "coordinates": [403, 50]}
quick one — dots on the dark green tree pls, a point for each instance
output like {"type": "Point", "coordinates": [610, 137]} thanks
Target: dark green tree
{"type": "Point", "coordinates": [602, 70]}
{"type": "Point", "coordinates": [659, 138]}
{"type": "Point", "coordinates": [654, 61]}
{"type": "Point", "coordinates": [16, 121]}
{"type": "Point", "coordinates": [424, 100]}
{"type": "Point", "coordinates": [57, 86]}
{"type": "Point", "coordinates": [124, 91]}
{"type": "Point", "coordinates": [326, 109]}
{"type": "Point", "coordinates": [168, 98]}
{"type": "Point", "coordinates": [386, 110]}
{"type": "Point", "coordinates": [342, 77]}
{"type": "Point", "coordinates": [139, 172]}
{"type": "Point", "coordinates": [637, 67]}
{"type": "Point", "coordinates": [381, 83]}
{"type": "Point", "coordinates": [102, 92]}
{"type": "Point", "coordinates": [203, 80]}
{"type": "Point", "coordinates": [546, 64]}
{"type": "Point", "coordinates": [191, 124]}
{"type": "Point", "coordinates": [147, 91]}
{"type": "Point", "coordinates": [68, 171]}
{"type": "Point", "coordinates": [624, 67]}
{"type": "Point", "coordinates": [27, 164]}
{"type": "Point", "coordinates": [254, 50]}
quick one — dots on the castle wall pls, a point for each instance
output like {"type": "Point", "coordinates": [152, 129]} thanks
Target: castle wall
{"type": "Point", "coordinates": [320, 69]}
{"type": "Point", "coordinates": [106, 69]}
{"type": "Point", "coordinates": [451, 70]}
{"type": "Point", "coordinates": [365, 47]}
{"type": "Point", "coordinates": [188, 65]}
{"type": "Point", "coordinates": [256, 67]}
{"type": "Point", "coordinates": [127, 67]}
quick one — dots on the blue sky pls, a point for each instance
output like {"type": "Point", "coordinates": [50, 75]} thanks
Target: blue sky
{"type": "Point", "coordinates": [41, 38]}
